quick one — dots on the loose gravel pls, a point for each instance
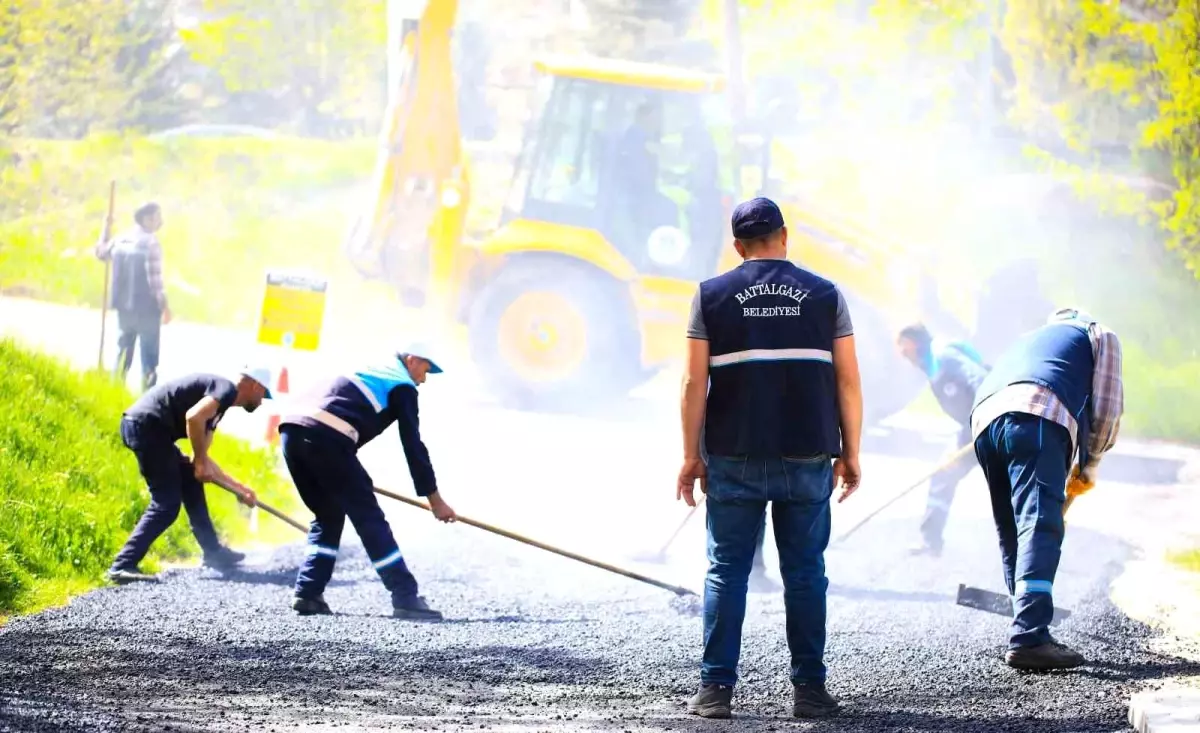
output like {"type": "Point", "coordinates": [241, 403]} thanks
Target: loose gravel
{"type": "Point", "coordinates": [535, 642]}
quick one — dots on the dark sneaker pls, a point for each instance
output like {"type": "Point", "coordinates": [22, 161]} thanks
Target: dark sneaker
{"type": "Point", "coordinates": [810, 700]}
{"type": "Point", "coordinates": [1044, 656]}
{"type": "Point", "coordinates": [414, 609]}
{"type": "Point", "coordinates": [712, 701]}
{"type": "Point", "coordinates": [122, 576]}
{"type": "Point", "coordinates": [223, 559]}
{"type": "Point", "coordinates": [311, 606]}
{"type": "Point", "coordinates": [760, 583]}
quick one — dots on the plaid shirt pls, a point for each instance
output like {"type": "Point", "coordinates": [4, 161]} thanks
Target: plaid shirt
{"type": "Point", "coordinates": [1107, 405]}
{"type": "Point", "coordinates": [138, 238]}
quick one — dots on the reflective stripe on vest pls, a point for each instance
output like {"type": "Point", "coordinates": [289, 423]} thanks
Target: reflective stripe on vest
{"type": "Point", "coordinates": [739, 357]}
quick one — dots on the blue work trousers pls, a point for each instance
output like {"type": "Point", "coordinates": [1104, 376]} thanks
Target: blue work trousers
{"type": "Point", "coordinates": [1026, 460]}
{"type": "Point", "coordinates": [942, 487]}
{"type": "Point", "coordinates": [172, 483]}
{"type": "Point", "coordinates": [738, 492]}
{"type": "Point", "coordinates": [334, 485]}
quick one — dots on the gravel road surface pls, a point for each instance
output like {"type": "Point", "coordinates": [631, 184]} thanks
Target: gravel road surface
{"type": "Point", "coordinates": [536, 642]}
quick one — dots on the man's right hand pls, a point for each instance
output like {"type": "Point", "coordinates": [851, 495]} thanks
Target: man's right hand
{"type": "Point", "coordinates": [441, 510]}
{"type": "Point", "coordinates": [204, 469]}
{"type": "Point", "coordinates": [846, 475]}
{"type": "Point", "coordinates": [166, 316]}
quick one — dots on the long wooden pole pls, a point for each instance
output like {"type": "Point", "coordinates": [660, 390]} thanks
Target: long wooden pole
{"type": "Point", "coordinates": [270, 510]}
{"type": "Point", "coordinates": [104, 237]}
{"type": "Point", "coordinates": [959, 454]}
{"type": "Point", "coordinates": [543, 546]}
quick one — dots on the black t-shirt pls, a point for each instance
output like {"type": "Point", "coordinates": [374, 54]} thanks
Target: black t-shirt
{"type": "Point", "coordinates": [167, 404]}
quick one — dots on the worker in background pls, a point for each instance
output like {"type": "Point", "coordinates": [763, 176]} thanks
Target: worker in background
{"type": "Point", "coordinates": [1054, 398]}
{"type": "Point", "coordinates": [954, 370]}
{"type": "Point", "coordinates": [188, 407]}
{"type": "Point", "coordinates": [137, 291]}
{"type": "Point", "coordinates": [781, 423]}
{"type": "Point", "coordinates": [320, 446]}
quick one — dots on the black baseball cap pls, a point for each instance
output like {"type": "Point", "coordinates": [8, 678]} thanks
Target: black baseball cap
{"type": "Point", "coordinates": [756, 218]}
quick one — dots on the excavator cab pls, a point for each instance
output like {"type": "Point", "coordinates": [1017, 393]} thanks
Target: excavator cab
{"type": "Point", "coordinates": [634, 153]}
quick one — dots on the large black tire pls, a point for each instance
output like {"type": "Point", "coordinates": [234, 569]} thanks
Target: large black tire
{"type": "Point", "coordinates": [889, 382]}
{"type": "Point", "coordinates": [610, 366]}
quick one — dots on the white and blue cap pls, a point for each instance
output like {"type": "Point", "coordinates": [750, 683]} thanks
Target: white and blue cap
{"type": "Point", "coordinates": [423, 350]}
{"type": "Point", "coordinates": [261, 375]}
{"type": "Point", "coordinates": [1070, 314]}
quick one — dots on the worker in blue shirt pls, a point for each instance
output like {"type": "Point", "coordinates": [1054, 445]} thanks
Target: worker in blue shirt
{"type": "Point", "coordinates": [955, 370]}
{"type": "Point", "coordinates": [320, 444]}
{"type": "Point", "coordinates": [772, 414]}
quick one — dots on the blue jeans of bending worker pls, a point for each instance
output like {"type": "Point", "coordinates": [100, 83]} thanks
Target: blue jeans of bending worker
{"type": "Point", "coordinates": [942, 486]}
{"type": "Point", "coordinates": [739, 490]}
{"type": "Point", "coordinates": [135, 325]}
{"type": "Point", "coordinates": [172, 482]}
{"type": "Point", "coordinates": [334, 485]}
{"type": "Point", "coordinates": [1026, 460]}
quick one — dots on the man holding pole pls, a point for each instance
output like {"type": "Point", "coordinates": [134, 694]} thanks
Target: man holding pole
{"type": "Point", "coordinates": [955, 370]}
{"type": "Point", "coordinates": [188, 407]}
{"type": "Point", "coordinates": [320, 445]}
{"type": "Point", "coordinates": [781, 422]}
{"type": "Point", "coordinates": [138, 295]}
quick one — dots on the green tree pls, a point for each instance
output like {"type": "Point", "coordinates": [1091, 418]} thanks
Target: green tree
{"type": "Point", "coordinates": [67, 68]}
{"type": "Point", "coordinates": [309, 63]}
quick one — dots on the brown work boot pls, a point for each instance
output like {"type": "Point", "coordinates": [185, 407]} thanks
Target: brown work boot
{"type": "Point", "coordinates": [1051, 655]}
{"type": "Point", "coordinates": [712, 701]}
{"type": "Point", "coordinates": [811, 700]}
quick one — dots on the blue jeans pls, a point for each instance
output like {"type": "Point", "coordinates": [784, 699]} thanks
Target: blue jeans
{"type": "Point", "coordinates": [738, 492]}
{"type": "Point", "coordinates": [172, 483]}
{"type": "Point", "coordinates": [1026, 460]}
{"type": "Point", "coordinates": [334, 485]}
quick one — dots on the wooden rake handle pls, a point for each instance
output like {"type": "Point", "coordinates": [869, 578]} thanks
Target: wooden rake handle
{"type": "Point", "coordinates": [959, 454]}
{"type": "Point", "coordinates": [271, 510]}
{"type": "Point", "coordinates": [543, 546]}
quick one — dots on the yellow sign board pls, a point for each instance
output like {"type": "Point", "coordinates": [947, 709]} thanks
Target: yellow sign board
{"type": "Point", "coordinates": [293, 311]}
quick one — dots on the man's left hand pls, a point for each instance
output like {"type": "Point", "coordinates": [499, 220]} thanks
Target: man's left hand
{"type": "Point", "coordinates": [693, 470]}
{"type": "Point", "coordinates": [246, 496]}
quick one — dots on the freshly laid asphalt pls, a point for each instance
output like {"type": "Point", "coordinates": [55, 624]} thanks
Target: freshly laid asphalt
{"type": "Point", "coordinates": [533, 641]}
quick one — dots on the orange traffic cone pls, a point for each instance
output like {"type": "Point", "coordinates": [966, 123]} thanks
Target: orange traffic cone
{"type": "Point", "coordinates": [281, 387]}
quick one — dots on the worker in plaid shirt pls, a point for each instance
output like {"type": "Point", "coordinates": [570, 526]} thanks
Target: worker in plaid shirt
{"type": "Point", "coordinates": [1053, 399]}
{"type": "Point", "coordinates": [137, 291]}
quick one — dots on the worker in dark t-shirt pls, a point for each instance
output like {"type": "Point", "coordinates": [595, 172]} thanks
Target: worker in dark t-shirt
{"type": "Point", "coordinates": [188, 407]}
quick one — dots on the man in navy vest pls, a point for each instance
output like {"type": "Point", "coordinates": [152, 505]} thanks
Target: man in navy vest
{"type": "Point", "coordinates": [1055, 392]}
{"type": "Point", "coordinates": [772, 346]}
{"type": "Point", "coordinates": [320, 444]}
{"type": "Point", "coordinates": [955, 370]}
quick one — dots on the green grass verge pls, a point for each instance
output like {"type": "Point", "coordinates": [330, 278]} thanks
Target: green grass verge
{"type": "Point", "coordinates": [1186, 559]}
{"type": "Point", "coordinates": [70, 492]}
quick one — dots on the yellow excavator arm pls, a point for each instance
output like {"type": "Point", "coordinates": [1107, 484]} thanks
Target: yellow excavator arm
{"type": "Point", "coordinates": [420, 179]}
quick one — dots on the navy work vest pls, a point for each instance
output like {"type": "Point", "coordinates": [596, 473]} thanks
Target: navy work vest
{"type": "Point", "coordinates": [1058, 356]}
{"type": "Point", "coordinates": [130, 277]}
{"type": "Point", "coordinates": [772, 390]}
{"type": "Point", "coordinates": [956, 375]}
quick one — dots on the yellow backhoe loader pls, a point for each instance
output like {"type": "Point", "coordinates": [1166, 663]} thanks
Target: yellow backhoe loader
{"type": "Point", "coordinates": [618, 206]}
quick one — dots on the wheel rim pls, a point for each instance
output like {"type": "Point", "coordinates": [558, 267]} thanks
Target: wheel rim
{"type": "Point", "coordinates": [543, 337]}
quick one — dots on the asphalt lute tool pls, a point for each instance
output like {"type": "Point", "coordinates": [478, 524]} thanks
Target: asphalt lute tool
{"type": "Point", "coordinates": [1001, 603]}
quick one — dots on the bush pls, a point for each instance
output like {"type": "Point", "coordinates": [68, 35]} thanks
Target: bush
{"type": "Point", "coordinates": [70, 492]}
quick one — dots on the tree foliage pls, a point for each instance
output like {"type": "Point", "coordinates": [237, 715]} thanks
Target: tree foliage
{"type": "Point", "coordinates": [68, 67]}
{"type": "Point", "coordinates": [314, 63]}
